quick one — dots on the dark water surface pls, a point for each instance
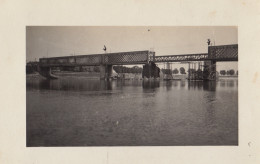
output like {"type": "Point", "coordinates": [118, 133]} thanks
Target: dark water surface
{"type": "Point", "coordinates": [80, 112]}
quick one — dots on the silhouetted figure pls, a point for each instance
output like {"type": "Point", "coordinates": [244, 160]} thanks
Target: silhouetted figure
{"type": "Point", "coordinates": [208, 42]}
{"type": "Point", "coordinates": [105, 48]}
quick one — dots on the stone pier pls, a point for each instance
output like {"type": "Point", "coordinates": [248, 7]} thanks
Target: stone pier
{"type": "Point", "coordinates": [209, 72]}
{"type": "Point", "coordinates": [46, 72]}
{"type": "Point", "coordinates": [105, 71]}
{"type": "Point", "coordinates": [150, 70]}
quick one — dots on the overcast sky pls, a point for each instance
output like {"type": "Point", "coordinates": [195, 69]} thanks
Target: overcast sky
{"type": "Point", "coordinates": [42, 41]}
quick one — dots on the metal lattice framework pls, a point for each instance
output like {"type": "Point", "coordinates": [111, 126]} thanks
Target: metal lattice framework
{"type": "Point", "coordinates": [180, 58]}
{"type": "Point", "coordinates": [151, 56]}
{"type": "Point", "coordinates": [217, 53]}
{"type": "Point", "coordinates": [134, 57]}
{"type": "Point", "coordinates": [121, 58]}
{"type": "Point", "coordinates": [71, 60]}
{"type": "Point", "coordinates": [224, 53]}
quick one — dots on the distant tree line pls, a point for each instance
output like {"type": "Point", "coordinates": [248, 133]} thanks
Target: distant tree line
{"type": "Point", "coordinates": [79, 69]}
{"type": "Point", "coordinates": [123, 69]}
{"type": "Point", "coordinates": [228, 72]}
{"type": "Point", "coordinates": [117, 69]}
{"type": "Point", "coordinates": [182, 71]}
{"type": "Point", "coordinates": [166, 71]}
{"type": "Point", "coordinates": [174, 71]}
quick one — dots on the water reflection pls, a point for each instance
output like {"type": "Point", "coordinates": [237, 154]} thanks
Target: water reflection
{"type": "Point", "coordinates": [168, 85]}
{"type": "Point", "coordinates": [106, 85]}
{"type": "Point", "coordinates": [210, 117]}
{"type": "Point", "coordinates": [131, 112]}
{"type": "Point", "coordinates": [222, 83]}
{"type": "Point", "coordinates": [210, 85]}
{"type": "Point", "coordinates": [70, 84]}
{"type": "Point", "coordinates": [151, 84]}
{"type": "Point", "coordinates": [202, 85]}
{"type": "Point", "coordinates": [229, 83]}
{"type": "Point", "coordinates": [175, 84]}
{"type": "Point", "coordinates": [198, 85]}
{"type": "Point", "coordinates": [78, 84]}
{"type": "Point", "coordinates": [183, 84]}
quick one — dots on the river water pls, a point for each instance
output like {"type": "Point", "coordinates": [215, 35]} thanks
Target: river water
{"type": "Point", "coordinates": [74, 111]}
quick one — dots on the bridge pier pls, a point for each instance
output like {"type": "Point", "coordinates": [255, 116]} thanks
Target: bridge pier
{"type": "Point", "coordinates": [46, 72]}
{"type": "Point", "coordinates": [168, 72]}
{"type": "Point", "coordinates": [209, 72]}
{"type": "Point", "coordinates": [105, 71]}
{"type": "Point", "coordinates": [150, 70]}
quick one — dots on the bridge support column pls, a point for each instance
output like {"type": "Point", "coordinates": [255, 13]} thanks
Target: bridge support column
{"type": "Point", "coordinates": [46, 72]}
{"type": "Point", "coordinates": [168, 72]}
{"type": "Point", "coordinates": [209, 72]}
{"type": "Point", "coordinates": [109, 71]}
{"type": "Point", "coordinates": [150, 70]}
{"type": "Point", "coordinates": [102, 72]}
{"type": "Point", "coordinates": [105, 72]}
{"type": "Point", "coordinates": [189, 72]}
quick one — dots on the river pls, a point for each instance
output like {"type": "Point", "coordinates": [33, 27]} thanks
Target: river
{"type": "Point", "coordinates": [77, 111]}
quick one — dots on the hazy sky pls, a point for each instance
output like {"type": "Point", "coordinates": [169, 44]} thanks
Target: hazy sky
{"type": "Point", "coordinates": [42, 41]}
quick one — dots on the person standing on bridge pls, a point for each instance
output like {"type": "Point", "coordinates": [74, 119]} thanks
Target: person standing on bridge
{"type": "Point", "coordinates": [208, 42]}
{"type": "Point", "coordinates": [105, 48]}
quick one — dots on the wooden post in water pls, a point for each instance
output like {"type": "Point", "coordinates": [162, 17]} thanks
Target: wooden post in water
{"type": "Point", "coordinates": [195, 68]}
{"type": "Point", "coordinates": [189, 72]}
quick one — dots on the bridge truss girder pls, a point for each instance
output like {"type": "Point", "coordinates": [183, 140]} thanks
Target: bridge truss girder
{"type": "Point", "coordinates": [215, 53]}
{"type": "Point", "coordinates": [120, 58]}
{"type": "Point", "coordinates": [181, 58]}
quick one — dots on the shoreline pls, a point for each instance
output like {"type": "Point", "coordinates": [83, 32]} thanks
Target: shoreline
{"type": "Point", "coordinates": [96, 75]}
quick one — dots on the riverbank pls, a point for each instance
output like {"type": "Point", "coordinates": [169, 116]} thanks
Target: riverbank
{"type": "Point", "coordinates": [173, 77]}
{"type": "Point", "coordinates": [125, 76]}
{"type": "Point", "coordinates": [228, 76]}
{"type": "Point", "coordinates": [90, 75]}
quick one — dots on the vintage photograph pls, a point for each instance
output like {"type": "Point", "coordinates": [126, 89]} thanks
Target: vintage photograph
{"type": "Point", "coordinates": [131, 86]}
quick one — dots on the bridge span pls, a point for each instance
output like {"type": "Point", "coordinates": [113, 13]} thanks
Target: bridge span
{"type": "Point", "coordinates": [216, 53]}
{"type": "Point", "coordinates": [107, 60]}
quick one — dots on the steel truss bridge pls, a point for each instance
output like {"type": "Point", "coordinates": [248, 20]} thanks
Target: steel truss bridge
{"type": "Point", "coordinates": [107, 60]}
{"type": "Point", "coordinates": [216, 53]}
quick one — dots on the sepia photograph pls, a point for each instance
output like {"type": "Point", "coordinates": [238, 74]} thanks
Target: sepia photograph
{"type": "Point", "coordinates": [129, 82]}
{"type": "Point", "coordinates": [131, 86]}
